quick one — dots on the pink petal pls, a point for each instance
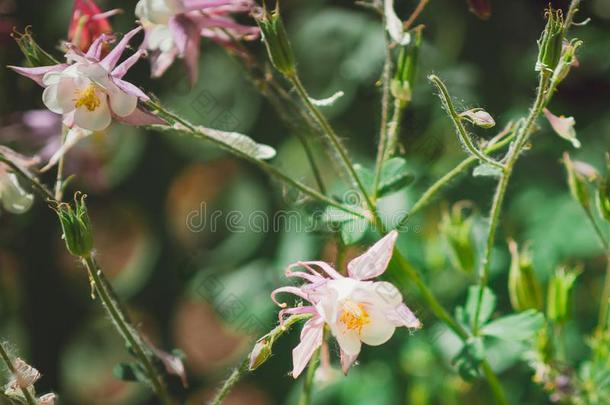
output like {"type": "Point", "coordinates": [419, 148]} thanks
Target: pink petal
{"type": "Point", "coordinates": [347, 361]}
{"type": "Point", "coordinates": [327, 268]}
{"type": "Point", "coordinates": [95, 50]}
{"type": "Point", "coordinates": [185, 33]}
{"type": "Point", "coordinates": [311, 339]}
{"type": "Point", "coordinates": [130, 89]}
{"type": "Point", "coordinates": [403, 316]}
{"type": "Point", "coordinates": [141, 117]}
{"type": "Point", "coordinates": [189, 5]}
{"type": "Point", "coordinates": [122, 69]}
{"type": "Point", "coordinates": [295, 311]}
{"type": "Point", "coordinates": [375, 260]}
{"type": "Point", "coordinates": [110, 61]}
{"type": "Point", "coordinates": [161, 61]}
{"type": "Point", "coordinates": [37, 73]}
{"type": "Point", "coordinates": [289, 290]}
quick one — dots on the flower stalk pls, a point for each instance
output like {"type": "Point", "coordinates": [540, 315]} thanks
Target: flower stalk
{"type": "Point", "coordinates": [9, 365]}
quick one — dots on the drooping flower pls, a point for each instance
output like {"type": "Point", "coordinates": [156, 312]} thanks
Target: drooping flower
{"type": "Point", "coordinates": [88, 91]}
{"type": "Point", "coordinates": [174, 28]}
{"type": "Point", "coordinates": [563, 126]}
{"type": "Point", "coordinates": [88, 23]}
{"type": "Point", "coordinates": [13, 197]}
{"type": "Point", "coordinates": [355, 309]}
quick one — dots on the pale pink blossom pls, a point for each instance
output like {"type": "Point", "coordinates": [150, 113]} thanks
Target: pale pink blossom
{"type": "Point", "coordinates": [173, 29]}
{"type": "Point", "coordinates": [355, 309]}
{"type": "Point", "coordinates": [563, 126]}
{"type": "Point", "coordinates": [89, 91]}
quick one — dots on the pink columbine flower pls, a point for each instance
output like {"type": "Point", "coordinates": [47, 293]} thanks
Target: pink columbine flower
{"type": "Point", "coordinates": [174, 28]}
{"type": "Point", "coordinates": [88, 23]}
{"type": "Point", "coordinates": [356, 309]}
{"type": "Point", "coordinates": [89, 91]}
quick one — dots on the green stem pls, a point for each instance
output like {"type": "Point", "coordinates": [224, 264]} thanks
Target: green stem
{"type": "Point", "coordinates": [9, 364]}
{"type": "Point", "coordinates": [36, 184]}
{"type": "Point", "coordinates": [269, 169]}
{"type": "Point", "coordinates": [394, 126]}
{"type": "Point", "coordinates": [457, 122]}
{"type": "Point", "coordinates": [385, 107]}
{"type": "Point", "coordinates": [433, 190]}
{"type": "Point", "coordinates": [494, 384]}
{"type": "Point", "coordinates": [242, 368]}
{"type": "Point", "coordinates": [133, 340]}
{"type": "Point", "coordinates": [305, 398]}
{"type": "Point", "coordinates": [605, 300]}
{"type": "Point", "coordinates": [60, 168]}
{"type": "Point", "coordinates": [514, 152]}
{"type": "Point", "coordinates": [336, 143]}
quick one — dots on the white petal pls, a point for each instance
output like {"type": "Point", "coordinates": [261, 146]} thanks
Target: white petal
{"type": "Point", "coordinates": [121, 103]}
{"type": "Point", "coordinates": [375, 260]}
{"type": "Point", "coordinates": [49, 98]}
{"type": "Point", "coordinates": [349, 341]}
{"type": "Point", "coordinates": [67, 91]}
{"type": "Point", "coordinates": [14, 198]}
{"type": "Point", "coordinates": [72, 137]}
{"type": "Point", "coordinates": [378, 331]}
{"type": "Point", "coordinates": [96, 120]}
{"type": "Point", "coordinates": [387, 294]}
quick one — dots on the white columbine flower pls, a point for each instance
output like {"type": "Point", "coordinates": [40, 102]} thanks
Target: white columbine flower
{"type": "Point", "coordinates": [355, 309]}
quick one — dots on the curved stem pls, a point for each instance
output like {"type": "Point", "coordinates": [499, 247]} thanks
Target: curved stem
{"type": "Point", "coordinates": [494, 384]}
{"type": "Point", "coordinates": [305, 398]}
{"type": "Point", "coordinates": [121, 322]}
{"type": "Point", "coordinates": [9, 364]}
{"type": "Point", "coordinates": [336, 143]}
{"type": "Point", "coordinates": [514, 152]}
{"type": "Point", "coordinates": [457, 122]}
{"type": "Point", "coordinates": [36, 184]}
{"type": "Point", "coordinates": [60, 168]}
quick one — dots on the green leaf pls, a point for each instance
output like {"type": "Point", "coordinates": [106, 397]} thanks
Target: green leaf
{"type": "Point", "coordinates": [336, 216]}
{"type": "Point", "coordinates": [366, 176]}
{"type": "Point", "coordinates": [394, 176]}
{"type": "Point", "coordinates": [353, 231]}
{"type": "Point", "coordinates": [521, 326]}
{"type": "Point", "coordinates": [486, 170]}
{"type": "Point", "coordinates": [488, 304]}
{"type": "Point", "coordinates": [469, 358]}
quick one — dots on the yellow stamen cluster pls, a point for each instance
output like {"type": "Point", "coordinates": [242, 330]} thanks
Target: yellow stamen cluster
{"type": "Point", "coordinates": [354, 316]}
{"type": "Point", "coordinates": [88, 98]}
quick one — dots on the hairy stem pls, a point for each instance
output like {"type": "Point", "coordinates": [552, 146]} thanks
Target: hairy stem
{"type": "Point", "coordinates": [9, 365]}
{"type": "Point", "coordinates": [336, 143]}
{"type": "Point", "coordinates": [385, 107]}
{"type": "Point", "coordinates": [30, 178]}
{"type": "Point", "coordinates": [393, 128]}
{"type": "Point", "coordinates": [120, 320]}
{"type": "Point", "coordinates": [305, 398]}
{"type": "Point", "coordinates": [60, 167]}
{"type": "Point", "coordinates": [457, 122]}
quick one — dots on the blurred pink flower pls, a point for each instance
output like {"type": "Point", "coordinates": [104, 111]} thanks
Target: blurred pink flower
{"type": "Point", "coordinates": [174, 29]}
{"type": "Point", "coordinates": [355, 309]}
{"type": "Point", "coordinates": [88, 91]}
{"type": "Point", "coordinates": [88, 23]}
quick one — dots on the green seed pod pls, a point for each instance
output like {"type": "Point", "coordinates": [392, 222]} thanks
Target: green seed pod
{"type": "Point", "coordinates": [260, 353]}
{"type": "Point", "coordinates": [76, 227]}
{"type": "Point", "coordinates": [524, 289]}
{"type": "Point", "coordinates": [558, 296]}
{"type": "Point", "coordinates": [276, 40]}
{"type": "Point", "coordinates": [576, 181]}
{"type": "Point", "coordinates": [551, 41]}
{"type": "Point", "coordinates": [603, 192]}
{"type": "Point", "coordinates": [458, 232]}
{"type": "Point", "coordinates": [402, 84]}
{"type": "Point", "coordinates": [34, 54]}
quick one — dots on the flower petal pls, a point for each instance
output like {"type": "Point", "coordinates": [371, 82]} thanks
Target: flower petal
{"type": "Point", "coordinates": [563, 126]}
{"type": "Point", "coordinates": [121, 103]}
{"type": "Point", "coordinates": [311, 339]}
{"type": "Point", "coordinates": [347, 361]}
{"type": "Point", "coordinates": [50, 100]}
{"type": "Point", "coordinates": [375, 260]}
{"type": "Point", "coordinates": [110, 61]}
{"type": "Point", "coordinates": [37, 73]}
{"type": "Point", "coordinates": [73, 136]}
{"type": "Point", "coordinates": [96, 120]}
{"type": "Point", "coordinates": [348, 340]}
{"type": "Point", "coordinates": [14, 199]}
{"type": "Point", "coordinates": [140, 117]}
{"type": "Point", "coordinates": [394, 24]}
{"type": "Point", "coordinates": [378, 331]}
{"type": "Point", "coordinates": [403, 316]}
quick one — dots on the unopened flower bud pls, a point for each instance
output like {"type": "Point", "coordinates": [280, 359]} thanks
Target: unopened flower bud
{"type": "Point", "coordinates": [76, 226]}
{"type": "Point", "coordinates": [47, 399]}
{"type": "Point", "coordinates": [551, 41]}
{"type": "Point", "coordinates": [559, 292]}
{"type": "Point", "coordinates": [576, 181]}
{"type": "Point", "coordinates": [276, 40]}
{"type": "Point", "coordinates": [524, 288]}
{"type": "Point", "coordinates": [566, 62]}
{"type": "Point", "coordinates": [458, 232]}
{"type": "Point", "coordinates": [260, 353]}
{"type": "Point", "coordinates": [402, 84]}
{"type": "Point", "coordinates": [479, 117]}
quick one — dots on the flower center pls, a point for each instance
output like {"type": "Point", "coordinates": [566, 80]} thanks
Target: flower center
{"type": "Point", "coordinates": [87, 98]}
{"type": "Point", "coordinates": [354, 316]}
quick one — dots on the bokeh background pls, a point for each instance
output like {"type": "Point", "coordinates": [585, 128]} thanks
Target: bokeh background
{"type": "Point", "coordinates": [196, 289]}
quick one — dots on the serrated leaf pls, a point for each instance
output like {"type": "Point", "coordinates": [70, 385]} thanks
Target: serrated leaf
{"type": "Point", "coordinates": [486, 170]}
{"type": "Point", "coordinates": [521, 326]}
{"type": "Point", "coordinates": [234, 142]}
{"type": "Point", "coordinates": [488, 304]}
{"type": "Point", "coordinates": [394, 176]}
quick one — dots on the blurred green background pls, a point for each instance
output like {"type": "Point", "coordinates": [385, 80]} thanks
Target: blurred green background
{"type": "Point", "coordinates": [197, 289]}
